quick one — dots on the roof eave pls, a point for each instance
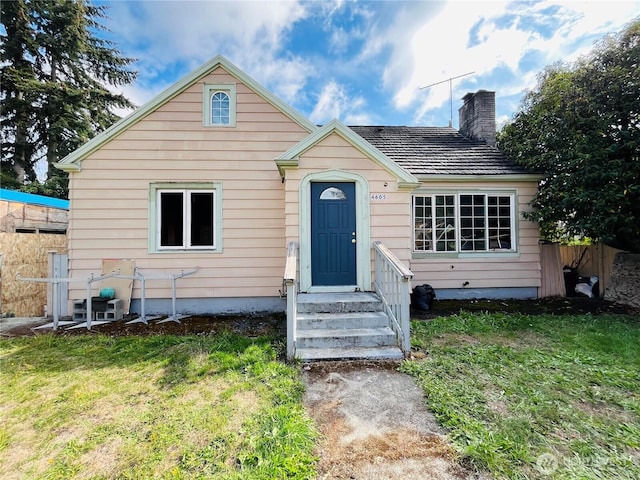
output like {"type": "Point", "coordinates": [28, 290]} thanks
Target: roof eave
{"type": "Point", "coordinates": [460, 178]}
{"type": "Point", "coordinates": [68, 167]}
{"type": "Point", "coordinates": [286, 164]}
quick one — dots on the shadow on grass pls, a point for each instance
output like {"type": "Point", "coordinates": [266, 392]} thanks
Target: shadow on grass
{"type": "Point", "coordinates": [179, 358]}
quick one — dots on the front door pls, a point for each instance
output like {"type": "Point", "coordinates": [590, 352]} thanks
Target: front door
{"type": "Point", "coordinates": [333, 233]}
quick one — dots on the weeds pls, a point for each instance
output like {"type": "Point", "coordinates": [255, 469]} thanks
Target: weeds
{"type": "Point", "coordinates": [161, 407]}
{"type": "Point", "coordinates": [536, 396]}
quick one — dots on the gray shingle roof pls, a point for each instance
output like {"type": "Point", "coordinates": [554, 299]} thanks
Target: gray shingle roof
{"type": "Point", "coordinates": [437, 151]}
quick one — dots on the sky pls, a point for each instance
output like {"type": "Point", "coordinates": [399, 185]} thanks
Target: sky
{"type": "Point", "coordinates": [364, 63]}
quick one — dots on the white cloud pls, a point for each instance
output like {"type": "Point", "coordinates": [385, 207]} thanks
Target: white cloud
{"type": "Point", "coordinates": [181, 35]}
{"type": "Point", "coordinates": [438, 47]}
{"type": "Point", "coordinates": [335, 102]}
{"type": "Point", "coordinates": [399, 45]}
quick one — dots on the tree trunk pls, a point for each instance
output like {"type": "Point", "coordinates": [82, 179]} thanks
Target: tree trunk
{"type": "Point", "coordinates": [20, 156]}
{"type": "Point", "coordinates": [52, 135]}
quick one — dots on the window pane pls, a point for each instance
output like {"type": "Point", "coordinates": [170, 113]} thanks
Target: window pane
{"type": "Point", "coordinates": [201, 228]}
{"type": "Point", "coordinates": [445, 219]}
{"type": "Point", "coordinates": [500, 223]}
{"type": "Point", "coordinates": [472, 216]}
{"type": "Point", "coordinates": [171, 219]}
{"type": "Point", "coordinates": [422, 224]}
{"type": "Point", "coordinates": [220, 108]}
{"type": "Point", "coordinates": [333, 193]}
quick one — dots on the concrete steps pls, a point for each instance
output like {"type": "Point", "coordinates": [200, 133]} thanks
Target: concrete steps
{"type": "Point", "coordinates": [341, 326]}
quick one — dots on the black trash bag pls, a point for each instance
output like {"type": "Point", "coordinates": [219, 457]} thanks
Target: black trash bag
{"type": "Point", "coordinates": [571, 279]}
{"type": "Point", "coordinates": [422, 297]}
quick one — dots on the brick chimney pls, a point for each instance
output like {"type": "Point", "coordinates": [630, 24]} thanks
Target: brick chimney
{"type": "Point", "coordinates": [477, 116]}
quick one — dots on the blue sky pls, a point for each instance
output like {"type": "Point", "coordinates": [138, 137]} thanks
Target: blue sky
{"type": "Point", "coordinates": [364, 62]}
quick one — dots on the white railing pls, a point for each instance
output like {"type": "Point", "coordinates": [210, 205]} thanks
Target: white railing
{"type": "Point", "coordinates": [392, 279]}
{"type": "Point", "coordinates": [290, 281]}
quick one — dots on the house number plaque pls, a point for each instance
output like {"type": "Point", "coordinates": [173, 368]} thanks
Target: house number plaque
{"type": "Point", "coordinates": [378, 196]}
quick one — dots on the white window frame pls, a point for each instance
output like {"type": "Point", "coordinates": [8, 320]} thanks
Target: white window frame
{"type": "Point", "coordinates": [459, 251]}
{"type": "Point", "coordinates": [186, 189]}
{"type": "Point", "coordinates": [209, 91]}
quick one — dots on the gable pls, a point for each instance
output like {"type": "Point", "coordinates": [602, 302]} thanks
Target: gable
{"type": "Point", "coordinates": [290, 159]}
{"type": "Point", "coordinates": [73, 161]}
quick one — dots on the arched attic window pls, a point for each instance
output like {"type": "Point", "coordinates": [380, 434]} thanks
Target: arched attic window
{"type": "Point", "coordinates": [220, 105]}
{"type": "Point", "coordinates": [220, 108]}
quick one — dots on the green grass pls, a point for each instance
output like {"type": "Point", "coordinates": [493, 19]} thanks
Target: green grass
{"type": "Point", "coordinates": [528, 396]}
{"type": "Point", "coordinates": [153, 407]}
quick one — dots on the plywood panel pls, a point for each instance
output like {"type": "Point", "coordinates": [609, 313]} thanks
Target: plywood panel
{"type": "Point", "coordinates": [122, 286]}
{"type": "Point", "coordinates": [26, 254]}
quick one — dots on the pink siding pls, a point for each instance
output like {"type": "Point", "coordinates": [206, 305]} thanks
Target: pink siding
{"type": "Point", "coordinates": [491, 270]}
{"type": "Point", "coordinates": [110, 196]}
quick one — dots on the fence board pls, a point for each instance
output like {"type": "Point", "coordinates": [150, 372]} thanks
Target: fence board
{"type": "Point", "coordinates": [552, 284]}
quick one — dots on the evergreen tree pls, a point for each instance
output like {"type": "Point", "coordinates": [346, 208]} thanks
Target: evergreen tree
{"type": "Point", "coordinates": [55, 71]}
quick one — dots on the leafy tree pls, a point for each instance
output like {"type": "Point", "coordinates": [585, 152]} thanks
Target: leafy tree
{"type": "Point", "coordinates": [580, 128]}
{"type": "Point", "coordinates": [54, 74]}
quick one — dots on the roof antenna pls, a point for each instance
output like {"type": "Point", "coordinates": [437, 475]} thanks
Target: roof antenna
{"type": "Point", "coordinates": [450, 79]}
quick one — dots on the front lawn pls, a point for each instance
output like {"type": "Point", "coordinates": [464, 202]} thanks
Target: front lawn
{"type": "Point", "coordinates": [536, 396]}
{"type": "Point", "coordinates": [142, 407]}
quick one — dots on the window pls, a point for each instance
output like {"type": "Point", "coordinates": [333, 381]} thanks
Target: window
{"type": "Point", "coordinates": [220, 108]}
{"type": "Point", "coordinates": [219, 105]}
{"type": "Point", "coordinates": [434, 220]}
{"type": "Point", "coordinates": [466, 222]}
{"type": "Point", "coordinates": [332, 193]}
{"type": "Point", "coordinates": [185, 217]}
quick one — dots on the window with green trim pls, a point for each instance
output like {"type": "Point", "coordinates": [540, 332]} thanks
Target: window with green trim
{"type": "Point", "coordinates": [219, 105]}
{"type": "Point", "coordinates": [463, 222]}
{"type": "Point", "coordinates": [185, 217]}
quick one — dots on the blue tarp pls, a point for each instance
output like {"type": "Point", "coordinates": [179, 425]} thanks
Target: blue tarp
{"type": "Point", "coordinates": [32, 199]}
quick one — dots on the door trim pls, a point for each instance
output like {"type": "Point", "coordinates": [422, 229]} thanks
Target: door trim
{"type": "Point", "coordinates": [363, 235]}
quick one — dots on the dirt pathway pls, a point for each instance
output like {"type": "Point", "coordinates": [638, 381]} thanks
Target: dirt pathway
{"type": "Point", "coordinates": [375, 425]}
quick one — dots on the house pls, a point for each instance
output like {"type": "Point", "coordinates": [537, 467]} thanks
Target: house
{"type": "Point", "coordinates": [218, 173]}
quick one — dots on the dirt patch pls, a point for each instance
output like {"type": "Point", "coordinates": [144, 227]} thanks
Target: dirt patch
{"type": "Point", "coordinates": [274, 324]}
{"type": "Point", "coordinates": [253, 325]}
{"type": "Point", "coordinates": [541, 306]}
{"type": "Point", "coordinates": [375, 424]}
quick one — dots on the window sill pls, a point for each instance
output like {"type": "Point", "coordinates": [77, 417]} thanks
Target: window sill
{"type": "Point", "coordinates": [187, 252]}
{"type": "Point", "coordinates": [444, 255]}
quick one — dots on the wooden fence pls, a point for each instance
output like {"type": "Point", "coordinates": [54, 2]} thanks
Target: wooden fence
{"type": "Point", "coordinates": [26, 254]}
{"type": "Point", "coordinates": [588, 260]}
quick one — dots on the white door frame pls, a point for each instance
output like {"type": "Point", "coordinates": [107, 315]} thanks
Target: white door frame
{"type": "Point", "coordinates": [363, 234]}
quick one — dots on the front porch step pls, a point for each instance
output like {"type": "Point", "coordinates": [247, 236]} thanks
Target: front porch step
{"type": "Point", "coordinates": [343, 326]}
{"type": "Point", "coordinates": [336, 321]}
{"type": "Point", "coordinates": [338, 302]}
{"type": "Point", "coordinates": [351, 337]}
{"type": "Point", "coordinates": [349, 353]}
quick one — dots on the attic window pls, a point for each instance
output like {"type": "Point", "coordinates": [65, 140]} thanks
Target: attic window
{"type": "Point", "coordinates": [219, 105]}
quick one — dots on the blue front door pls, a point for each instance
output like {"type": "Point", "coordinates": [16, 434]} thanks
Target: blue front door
{"type": "Point", "coordinates": [333, 234]}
